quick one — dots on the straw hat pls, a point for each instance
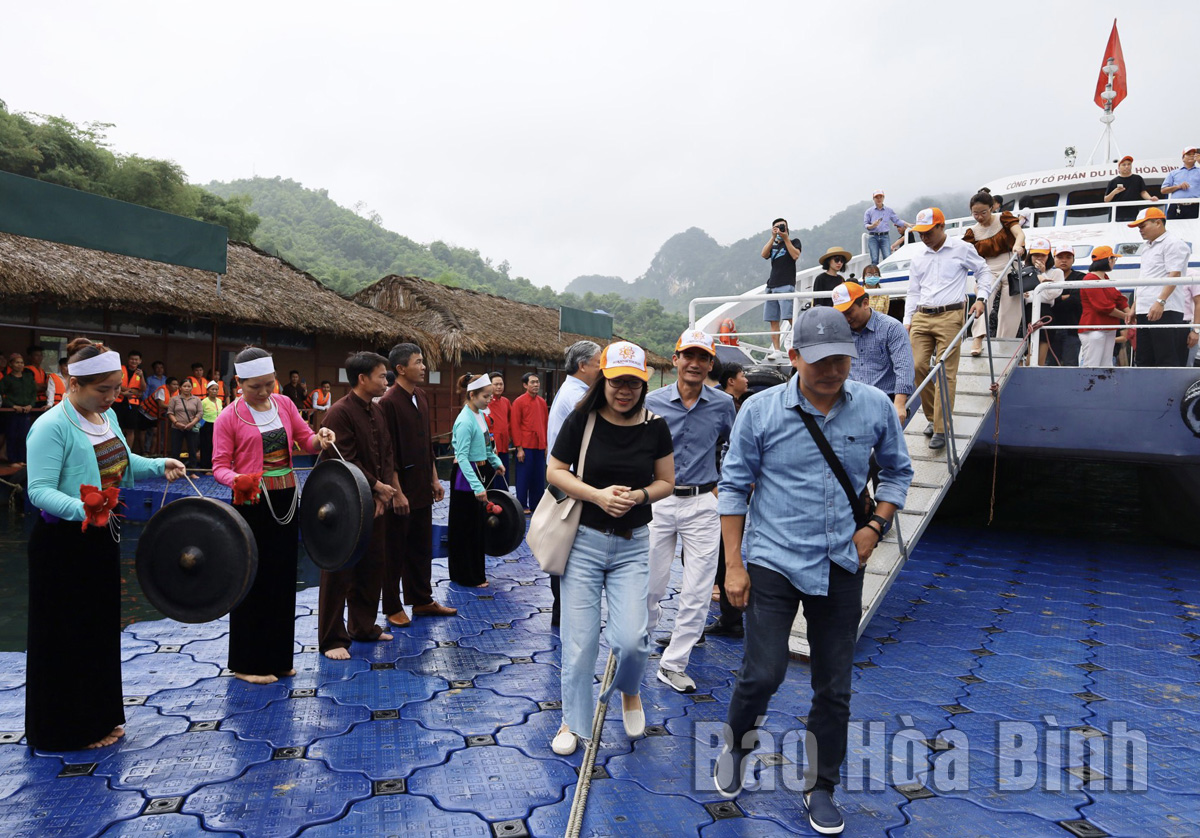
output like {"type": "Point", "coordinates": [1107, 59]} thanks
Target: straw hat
{"type": "Point", "coordinates": [835, 251]}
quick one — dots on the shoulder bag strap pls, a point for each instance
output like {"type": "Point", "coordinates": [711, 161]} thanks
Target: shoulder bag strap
{"type": "Point", "coordinates": [834, 463]}
{"type": "Point", "coordinates": [583, 446]}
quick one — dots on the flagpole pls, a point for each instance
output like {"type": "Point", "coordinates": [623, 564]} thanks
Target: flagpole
{"type": "Point", "coordinates": [1108, 96]}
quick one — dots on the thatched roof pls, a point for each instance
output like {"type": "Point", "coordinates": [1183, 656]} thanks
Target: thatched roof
{"type": "Point", "coordinates": [466, 323]}
{"type": "Point", "coordinates": [258, 289]}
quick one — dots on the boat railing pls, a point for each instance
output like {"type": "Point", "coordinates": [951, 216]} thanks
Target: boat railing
{"type": "Point", "coordinates": [1040, 299]}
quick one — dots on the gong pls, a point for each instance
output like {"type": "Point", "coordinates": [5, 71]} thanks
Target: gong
{"type": "Point", "coordinates": [337, 512]}
{"type": "Point", "coordinates": [504, 531]}
{"type": "Point", "coordinates": [196, 559]}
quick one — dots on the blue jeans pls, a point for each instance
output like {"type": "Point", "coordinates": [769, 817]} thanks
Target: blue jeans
{"type": "Point", "coordinates": [621, 568]}
{"type": "Point", "coordinates": [832, 633]}
{"type": "Point", "coordinates": [880, 245]}
{"type": "Point", "coordinates": [531, 477]}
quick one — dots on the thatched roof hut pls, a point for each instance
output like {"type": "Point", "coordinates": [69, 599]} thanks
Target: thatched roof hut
{"type": "Point", "coordinates": [258, 289]}
{"type": "Point", "coordinates": [469, 323]}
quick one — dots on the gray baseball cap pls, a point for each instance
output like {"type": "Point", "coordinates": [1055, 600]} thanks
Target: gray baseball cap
{"type": "Point", "coordinates": [820, 332]}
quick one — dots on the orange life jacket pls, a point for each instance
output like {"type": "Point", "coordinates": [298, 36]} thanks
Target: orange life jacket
{"type": "Point", "coordinates": [318, 401]}
{"type": "Point", "coordinates": [151, 407]}
{"type": "Point", "coordinates": [59, 387]}
{"type": "Point", "coordinates": [199, 385]}
{"type": "Point", "coordinates": [137, 382]}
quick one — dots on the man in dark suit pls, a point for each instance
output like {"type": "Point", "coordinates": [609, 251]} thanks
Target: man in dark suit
{"type": "Point", "coordinates": [410, 527]}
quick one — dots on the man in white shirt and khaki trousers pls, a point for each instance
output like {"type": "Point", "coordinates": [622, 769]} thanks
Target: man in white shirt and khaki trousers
{"type": "Point", "coordinates": [934, 311]}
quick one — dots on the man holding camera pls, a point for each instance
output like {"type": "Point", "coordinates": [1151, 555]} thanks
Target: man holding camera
{"type": "Point", "coordinates": [784, 253]}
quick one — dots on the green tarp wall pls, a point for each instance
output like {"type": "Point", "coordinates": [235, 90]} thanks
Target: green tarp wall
{"type": "Point", "coordinates": [585, 323]}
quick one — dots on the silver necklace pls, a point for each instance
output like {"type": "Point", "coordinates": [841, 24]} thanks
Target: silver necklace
{"type": "Point", "coordinates": [252, 423]}
{"type": "Point", "coordinates": [102, 432]}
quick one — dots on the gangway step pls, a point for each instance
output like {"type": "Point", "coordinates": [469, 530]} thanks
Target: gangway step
{"type": "Point", "coordinates": [931, 481]}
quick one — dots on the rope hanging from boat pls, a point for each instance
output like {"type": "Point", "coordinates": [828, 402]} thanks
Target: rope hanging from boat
{"type": "Point", "coordinates": [579, 803]}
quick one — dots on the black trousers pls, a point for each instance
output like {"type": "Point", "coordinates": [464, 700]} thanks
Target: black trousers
{"type": "Point", "coordinates": [191, 439]}
{"type": "Point", "coordinates": [262, 628]}
{"type": "Point", "coordinates": [73, 668]}
{"type": "Point", "coordinates": [356, 591]}
{"type": "Point", "coordinates": [832, 633]}
{"type": "Point", "coordinates": [409, 559]}
{"type": "Point", "coordinates": [467, 516]}
{"type": "Point", "coordinates": [1162, 347]}
{"type": "Point", "coordinates": [730, 616]}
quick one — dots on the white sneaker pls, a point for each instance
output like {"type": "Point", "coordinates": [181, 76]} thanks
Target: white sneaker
{"type": "Point", "coordinates": [635, 722]}
{"type": "Point", "coordinates": [678, 681]}
{"type": "Point", "coordinates": [564, 742]}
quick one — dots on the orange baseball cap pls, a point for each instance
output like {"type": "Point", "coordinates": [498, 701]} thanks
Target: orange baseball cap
{"type": "Point", "coordinates": [624, 358]}
{"type": "Point", "coordinates": [845, 295]}
{"type": "Point", "coordinates": [1126, 157]}
{"type": "Point", "coordinates": [928, 218]}
{"type": "Point", "coordinates": [1039, 246]}
{"type": "Point", "coordinates": [1148, 214]}
{"type": "Point", "coordinates": [1103, 252]}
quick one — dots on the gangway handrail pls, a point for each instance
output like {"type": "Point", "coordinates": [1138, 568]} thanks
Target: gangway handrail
{"type": "Point", "coordinates": [1124, 282]}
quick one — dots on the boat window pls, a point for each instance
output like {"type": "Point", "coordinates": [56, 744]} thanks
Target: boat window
{"type": "Point", "coordinates": [1085, 196]}
{"type": "Point", "coordinates": [1095, 215]}
{"type": "Point", "coordinates": [1044, 219]}
{"type": "Point", "coordinates": [1048, 199]}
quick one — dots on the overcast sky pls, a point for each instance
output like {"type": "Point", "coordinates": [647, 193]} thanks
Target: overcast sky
{"type": "Point", "coordinates": [572, 139]}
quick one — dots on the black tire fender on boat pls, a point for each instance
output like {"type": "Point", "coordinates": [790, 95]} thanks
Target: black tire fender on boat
{"type": "Point", "coordinates": [1189, 407]}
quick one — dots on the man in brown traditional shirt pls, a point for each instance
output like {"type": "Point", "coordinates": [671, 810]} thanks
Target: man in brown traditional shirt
{"type": "Point", "coordinates": [410, 530]}
{"type": "Point", "coordinates": [363, 440]}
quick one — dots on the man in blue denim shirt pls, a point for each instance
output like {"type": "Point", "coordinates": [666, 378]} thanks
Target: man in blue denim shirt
{"type": "Point", "coordinates": [805, 547]}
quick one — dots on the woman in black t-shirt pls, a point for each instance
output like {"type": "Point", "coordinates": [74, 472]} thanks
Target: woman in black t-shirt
{"type": "Point", "coordinates": [629, 464]}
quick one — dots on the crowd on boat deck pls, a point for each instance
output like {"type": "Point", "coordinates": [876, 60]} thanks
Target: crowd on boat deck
{"type": "Point", "coordinates": [162, 414]}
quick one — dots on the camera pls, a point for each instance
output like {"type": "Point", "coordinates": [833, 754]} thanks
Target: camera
{"type": "Point", "coordinates": [779, 228]}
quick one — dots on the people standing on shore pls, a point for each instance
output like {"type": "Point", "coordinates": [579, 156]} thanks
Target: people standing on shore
{"type": "Point", "coordinates": [129, 402]}
{"type": "Point", "coordinates": [475, 465]}
{"type": "Point", "coordinates": [626, 466]}
{"type": "Point", "coordinates": [210, 409]}
{"type": "Point", "coordinates": [528, 420]}
{"type": "Point", "coordinates": [875, 221]}
{"type": "Point", "coordinates": [500, 411]}
{"type": "Point", "coordinates": [363, 439]}
{"type": "Point", "coordinates": [934, 310]}
{"type": "Point", "coordinates": [996, 238]}
{"type": "Point", "coordinates": [801, 560]}
{"type": "Point", "coordinates": [185, 413]}
{"type": "Point", "coordinates": [295, 390]}
{"type": "Point", "coordinates": [321, 400]}
{"type": "Point", "coordinates": [253, 440]}
{"type": "Point", "coordinates": [699, 418]}
{"type": "Point", "coordinates": [73, 696]}
{"type": "Point", "coordinates": [582, 360]}
{"type": "Point", "coordinates": [18, 391]}
{"type": "Point", "coordinates": [784, 255]}
{"type": "Point", "coordinates": [409, 559]}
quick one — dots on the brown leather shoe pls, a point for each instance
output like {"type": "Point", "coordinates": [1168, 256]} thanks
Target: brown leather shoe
{"type": "Point", "coordinates": [434, 609]}
{"type": "Point", "coordinates": [401, 622]}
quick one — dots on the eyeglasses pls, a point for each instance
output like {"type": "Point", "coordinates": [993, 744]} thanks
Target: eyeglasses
{"type": "Point", "coordinates": [633, 385]}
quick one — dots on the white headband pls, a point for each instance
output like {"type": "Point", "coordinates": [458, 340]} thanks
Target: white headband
{"type": "Point", "coordinates": [255, 368]}
{"type": "Point", "coordinates": [478, 384]}
{"type": "Point", "coordinates": [104, 362]}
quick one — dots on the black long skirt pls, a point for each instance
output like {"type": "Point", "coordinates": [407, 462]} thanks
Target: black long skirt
{"type": "Point", "coordinates": [262, 629]}
{"type": "Point", "coordinates": [73, 671]}
{"type": "Point", "coordinates": [467, 516]}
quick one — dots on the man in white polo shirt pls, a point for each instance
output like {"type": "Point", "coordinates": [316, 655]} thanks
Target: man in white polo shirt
{"type": "Point", "coordinates": [1165, 255]}
{"type": "Point", "coordinates": [934, 311]}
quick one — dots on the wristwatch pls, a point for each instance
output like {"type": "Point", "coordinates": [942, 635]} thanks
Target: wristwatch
{"type": "Point", "coordinates": [884, 524]}
{"type": "Point", "coordinates": [1161, 302]}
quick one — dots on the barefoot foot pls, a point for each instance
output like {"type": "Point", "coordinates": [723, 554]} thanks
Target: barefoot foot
{"type": "Point", "coordinates": [287, 674]}
{"type": "Point", "coordinates": [111, 739]}
{"type": "Point", "coordinates": [383, 636]}
{"type": "Point", "coordinates": [255, 679]}
{"type": "Point", "coordinates": [338, 654]}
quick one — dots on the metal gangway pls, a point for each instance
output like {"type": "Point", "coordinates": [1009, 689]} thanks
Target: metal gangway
{"type": "Point", "coordinates": [980, 382]}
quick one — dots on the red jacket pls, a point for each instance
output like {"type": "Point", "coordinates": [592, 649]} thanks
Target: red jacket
{"type": "Point", "coordinates": [1097, 303]}
{"type": "Point", "coordinates": [500, 410]}
{"type": "Point", "coordinates": [527, 422]}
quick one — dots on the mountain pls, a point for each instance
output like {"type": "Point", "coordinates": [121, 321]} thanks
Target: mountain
{"type": "Point", "coordinates": [693, 264]}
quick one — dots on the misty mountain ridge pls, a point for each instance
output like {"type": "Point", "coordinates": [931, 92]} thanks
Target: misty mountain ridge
{"type": "Point", "coordinates": [694, 264]}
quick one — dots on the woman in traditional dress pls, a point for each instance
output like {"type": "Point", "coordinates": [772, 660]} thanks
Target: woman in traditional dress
{"type": "Point", "coordinates": [78, 462]}
{"type": "Point", "coordinates": [475, 464]}
{"type": "Point", "coordinates": [996, 237]}
{"type": "Point", "coordinates": [252, 444]}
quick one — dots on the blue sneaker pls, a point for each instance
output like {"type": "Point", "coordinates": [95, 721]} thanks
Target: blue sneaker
{"type": "Point", "coordinates": [823, 815]}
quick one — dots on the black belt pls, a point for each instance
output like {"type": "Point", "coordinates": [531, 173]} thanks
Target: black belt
{"type": "Point", "coordinates": [940, 309]}
{"type": "Point", "coordinates": [879, 234]}
{"type": "Point", "coordinates": [692, 491]}
{"type": "Point", "coordinates": [626, 533]}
